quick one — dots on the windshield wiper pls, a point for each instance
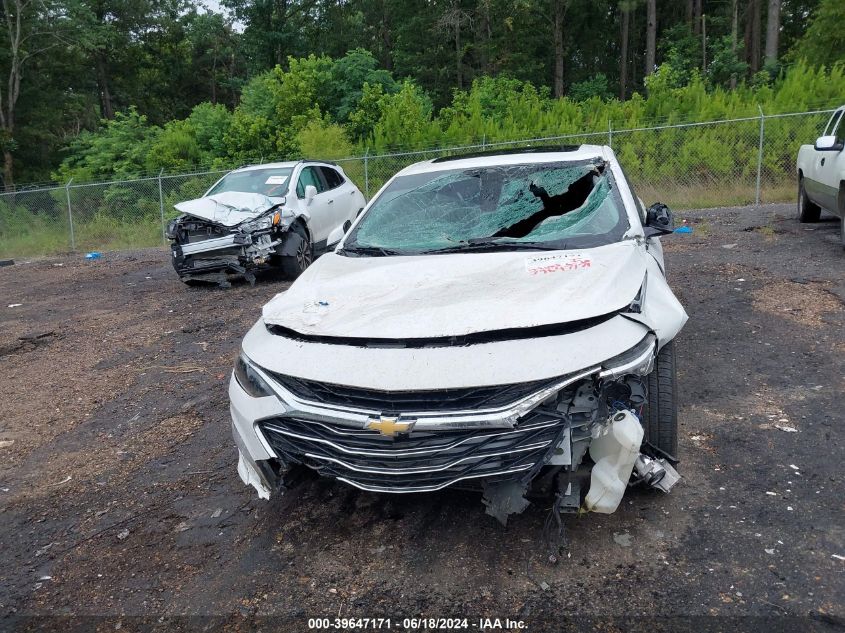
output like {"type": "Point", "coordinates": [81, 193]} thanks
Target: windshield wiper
{"type": "Point", "coordinates": [490, 245]}
{"type": "Point", "coordinates": [362, 251]}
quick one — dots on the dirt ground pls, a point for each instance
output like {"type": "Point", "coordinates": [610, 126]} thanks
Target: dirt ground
{"type": "Point", "coordinates": [119, 496]}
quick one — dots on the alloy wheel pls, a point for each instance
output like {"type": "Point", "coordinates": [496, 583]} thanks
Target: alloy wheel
{"type": "Point", "coordinates": [303, 255]}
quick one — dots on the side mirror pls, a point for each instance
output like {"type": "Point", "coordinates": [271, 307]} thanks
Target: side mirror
{"type": "Point", "coordinates": [658, 220]}
{"type": "Point", "coordinates": [310, 192]}
{"type": "Point", "coordinates": [828, 144]}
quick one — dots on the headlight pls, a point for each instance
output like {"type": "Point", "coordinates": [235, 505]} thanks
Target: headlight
{"type": "Point", "coordinates": [249, 380]}
{"type": "Point", "coordinates": [257, 225]}
{"type": "Point", "coordinates": [637, 360]}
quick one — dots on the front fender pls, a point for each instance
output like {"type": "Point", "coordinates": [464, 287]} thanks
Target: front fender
{"type": "Point", "coordinates": [661, 311]}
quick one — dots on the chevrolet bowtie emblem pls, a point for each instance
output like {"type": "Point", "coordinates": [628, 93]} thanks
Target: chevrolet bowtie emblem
{"type": "Point", "coordinates": [391, 427]}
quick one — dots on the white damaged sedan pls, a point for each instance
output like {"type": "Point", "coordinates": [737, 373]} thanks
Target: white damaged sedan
{"type": "Point", "coordinates": [499, 321]}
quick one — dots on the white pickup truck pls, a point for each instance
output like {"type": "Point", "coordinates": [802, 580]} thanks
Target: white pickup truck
{"type": "Point", "coordinates": [821, 173]}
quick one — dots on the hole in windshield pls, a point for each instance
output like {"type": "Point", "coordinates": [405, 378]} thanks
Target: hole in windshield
{"type": "Point", "coordinates": [552, 206]}
{"type": "Point", "coordinates": [271, 182]}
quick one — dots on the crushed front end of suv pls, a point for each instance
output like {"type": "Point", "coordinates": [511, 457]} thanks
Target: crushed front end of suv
{"type": "Point", "coordinates": [279, 215]}
{"type": "Point", "coordinates": [499, 322]}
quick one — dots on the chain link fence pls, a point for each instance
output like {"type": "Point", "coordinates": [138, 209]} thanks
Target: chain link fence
{"type": "Point", "coordinates": [698, 165]}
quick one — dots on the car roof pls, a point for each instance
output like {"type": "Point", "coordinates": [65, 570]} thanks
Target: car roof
{"type": "Point", "coordinates": [285, 164]}
{"type": "Point", "coordinates": [292, 163]}
{"type": "Point", "coordinates": [511, 157]}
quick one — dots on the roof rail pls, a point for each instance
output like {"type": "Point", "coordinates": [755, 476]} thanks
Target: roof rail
{"type": "Point", "coordinates": [315, 160]}
{"type": "Point", "coordinates": [503, 152]}
{"type": "Point", "coordinates": [301, 160]}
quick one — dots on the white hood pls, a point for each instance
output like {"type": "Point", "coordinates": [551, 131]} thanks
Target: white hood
{"type": "Point", "coordinates": [230, 208]}
{"type": "Point", "coordinates": [456, 294]}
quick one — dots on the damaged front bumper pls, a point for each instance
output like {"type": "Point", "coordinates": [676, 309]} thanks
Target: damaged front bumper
{"type": "Point", "coordinates": [201, 249]}
{"type": "Point", "coordinates": [503, 439]}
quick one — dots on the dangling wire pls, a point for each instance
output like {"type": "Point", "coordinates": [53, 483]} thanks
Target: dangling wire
{"type": "Point", "coordinates": [554, 531]}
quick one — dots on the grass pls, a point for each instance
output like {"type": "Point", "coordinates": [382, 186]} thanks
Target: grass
{"type": "Point", "coordinates": [99, 234]}
{"type": "Point", "coordinates": [709, 196]}
{"type": "Point", "coordinates": [45, 242]}
{"type": "Point", "coordinates": [767, 232]}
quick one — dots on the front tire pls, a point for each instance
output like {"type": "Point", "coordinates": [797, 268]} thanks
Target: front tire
{"type": "Point", "coordinates": [660, 418]}
{"type": "Point", "coordinates": [294, 265]}
{"type": "Point", "coordinates": [808, 211]}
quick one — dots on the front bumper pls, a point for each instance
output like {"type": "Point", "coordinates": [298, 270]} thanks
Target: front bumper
{"type": "Point", "coordinates": [235, 252]}
{"type": "Point", "coordinates": [426, 429]}
{"type": "Point", "coordinates": [360, 447]}
{"type": "Point", "coordinates": [195, 259]}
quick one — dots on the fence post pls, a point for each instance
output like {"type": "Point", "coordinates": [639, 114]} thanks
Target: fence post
{"type": "Point", "coordinates": [609, 134]}
{"type": "Point", "coordinates": [161, 207]}
{"type": "Point", "coordinates": [760, 154]}
{"type": "Point", "coordinates": [366, 174]}
{"type": "Point", "coordinates": [70, 216]}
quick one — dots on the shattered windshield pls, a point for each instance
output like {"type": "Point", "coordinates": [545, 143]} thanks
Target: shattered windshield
{"type": "Point", "coordinates": [269, 182]}
{"type": "Point", "coordinates": [551, 206]}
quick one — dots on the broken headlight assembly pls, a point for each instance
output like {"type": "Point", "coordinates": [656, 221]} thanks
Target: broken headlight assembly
{"type": "Point", "coordinates": [637, 360]}
{"type": "Point", "coordinates": [270, 220]}
{"type": "Point", "coordinates": [257, 225]}
{"type": "Point", "coordinates": [249, 380]}
{"type": "Point", "coordinates": [172, 228]}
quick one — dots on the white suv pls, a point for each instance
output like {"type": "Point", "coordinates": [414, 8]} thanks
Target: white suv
{"type": "Point", "coordinates": [278, 214]}
{"type": "Point", "coordinates": [486, 321]}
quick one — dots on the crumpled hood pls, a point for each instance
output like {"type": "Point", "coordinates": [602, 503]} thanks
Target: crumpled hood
{"type": "Point", "coordinates": [432, 296]}
{"type": "Point", "coordinates": [229, 209]}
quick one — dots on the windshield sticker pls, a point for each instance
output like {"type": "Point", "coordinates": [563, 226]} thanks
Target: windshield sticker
{"type": "Point", "coordinates": [276, 180]}
{"type": "Point", "coordinates": [556, 263]}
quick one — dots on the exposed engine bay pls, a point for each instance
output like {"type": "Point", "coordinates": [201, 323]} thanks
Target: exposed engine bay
{"type": "Point", "coordinates": [205, 250]}
{"type": "Point", "coordinates": [601, 437]}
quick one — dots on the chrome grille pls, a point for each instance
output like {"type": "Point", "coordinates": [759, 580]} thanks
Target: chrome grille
{"type": "Point", "coordinates": [420, 461]}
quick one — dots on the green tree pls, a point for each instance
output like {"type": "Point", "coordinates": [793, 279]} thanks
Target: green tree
{"type": "Point", "coordinates": [726, 63]}
{"type": "Point", "coordinates": [215, 57]}
{"type": "Point", "coordinates": [197, 140]}
{"type": "Point", "coordinates": [323, 139]}
{"type": "Point", "coordinates": [275, 30]}
{"type": "Point", "coordinates": [406, 119]}
{"type": "Point", "coordinates": [362, 121]}
{"type": "Point", "coordinates": [31, 31]}
{"type": "Point", "coordinates": [824, 40]}
{"type": "Point", "coordinates": [107, 35]}
{"type": "Point", "coordinates": [120, 149]}
{"type": "Point", "coordinates": [597, 86]}
{"type": "Point", "coordinates": [275, 106]}
{"type": "Point", "coordinates": [349, 74]}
